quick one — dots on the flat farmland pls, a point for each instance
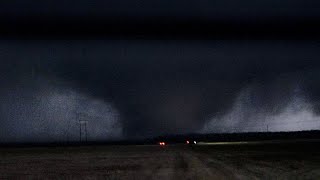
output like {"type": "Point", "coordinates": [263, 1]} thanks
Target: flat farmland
{"type": "Point", "coordinates": [281, 160]}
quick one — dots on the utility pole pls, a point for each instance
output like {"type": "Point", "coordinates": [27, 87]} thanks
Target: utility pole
{"type": "Point", "coordinates": [80, 131]}
{"type": "Point", "coordinates": [83, 130]}
{"type": "Point", "coordinates": [83, 134]}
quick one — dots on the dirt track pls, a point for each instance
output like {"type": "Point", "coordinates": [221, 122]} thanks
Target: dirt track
{"type": "Point", "coordinates": [154, 162]}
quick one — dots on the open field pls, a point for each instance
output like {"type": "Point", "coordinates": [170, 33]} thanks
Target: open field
{"type": "Point", "coordinates": [292, 160]}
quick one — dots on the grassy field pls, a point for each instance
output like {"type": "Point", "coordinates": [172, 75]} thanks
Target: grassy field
{"type": "Point", "coordinates": [292, 160]}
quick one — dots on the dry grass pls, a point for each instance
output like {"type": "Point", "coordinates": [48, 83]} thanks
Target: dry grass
{"type": "Point", "coordinates": [155, 162]}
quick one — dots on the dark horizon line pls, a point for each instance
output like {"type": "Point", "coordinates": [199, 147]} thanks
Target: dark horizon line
{"type": "Point", "coordinates": [179, 138]}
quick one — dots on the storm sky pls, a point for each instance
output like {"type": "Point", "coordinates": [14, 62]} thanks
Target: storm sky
{"type": "Point", "coordinates": [142, 69]}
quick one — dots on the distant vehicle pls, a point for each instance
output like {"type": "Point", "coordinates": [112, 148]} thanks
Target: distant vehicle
{"type": "Point", "coordinates": [191, 142]}
{"type": "Point", "coordinates": [162, 143]}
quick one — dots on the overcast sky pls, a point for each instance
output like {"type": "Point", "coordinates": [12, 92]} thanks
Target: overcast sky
{"type": "Point", "coordinates": [234, 67]}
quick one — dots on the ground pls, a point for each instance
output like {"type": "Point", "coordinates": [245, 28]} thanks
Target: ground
{"type": "Point", "coordinates": [294, 160]}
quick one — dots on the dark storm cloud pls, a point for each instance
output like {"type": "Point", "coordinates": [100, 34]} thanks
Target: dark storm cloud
{"type": "Point", "coordinates": [164, 66]}
{"type": "Point", "coordinates": [162, 87]}
{"type": "Point", "coordinates": [252, 112]}
{"type": "Point", "coordinates": [160, 18]}
{"type": "Point", "coordinates": [209, 9]}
